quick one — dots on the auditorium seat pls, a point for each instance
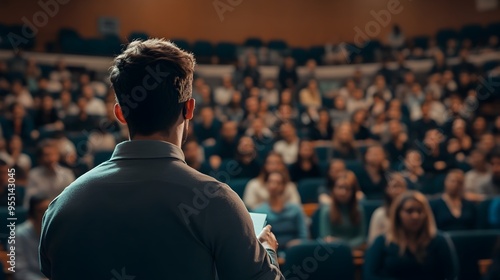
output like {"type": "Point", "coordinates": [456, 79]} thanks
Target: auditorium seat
{"type": "Point", "coordinates": [474, 32]}
{"type": "Point", "coordinates": [203, 50]}
{"type": "Point", "coordinates": [472, 246]}
{"type": "Point", "coordinates": [310, 208]}
{"type": "Point", "coordinates": [137, 35]}
{"type": "Point", "coordinates": [278, 45]}
{"type": "Point", "coordinates": [253, 42]}
{"type": "Point", "coordinates": [444, 35]}
{"type": "Point", "coordinates": [239, 185]}
{"type": "Point", "coordinates": [181, 43]}
{"type": "Point", "coordinates": [421, 42]}
{"type": "Point", "coordinates": [314, 226]}
{"type": "Point", "coordinates": [300, 56]}
{"type": "Point", "coordinates": [80, 142]}
{"type": "Point", "coordinates": [483, 213]}
{"type": "Point", "coordinates": [226, 52]}
{"type": "Point", "coordinates": [369, 206]}
{"type": "Point", "coordinates": [316, 53]}
{"type": "Point", "coordinates": [319, 261]}
{"type": "Point", "coordinates": [324, 153]}
{"type": "Point", "coordinates": [493, 29]}
{"type": "Point", "coordinates": [308, 189]}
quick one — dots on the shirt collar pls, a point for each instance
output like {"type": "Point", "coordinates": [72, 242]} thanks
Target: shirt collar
{"type": "Point", "coordinates": [147, 149]}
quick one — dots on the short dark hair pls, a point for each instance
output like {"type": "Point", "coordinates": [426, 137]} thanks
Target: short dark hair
{"type": "Point", "coordinates": [34, 201]}
{"type": "Point", "coordinates": [152, 80]}
{"type": "Point", "coordinates": [495, 153]}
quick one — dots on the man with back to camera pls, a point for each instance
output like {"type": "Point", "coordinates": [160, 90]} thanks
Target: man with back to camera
{"type": "Point", "coordinates": [145, 214]}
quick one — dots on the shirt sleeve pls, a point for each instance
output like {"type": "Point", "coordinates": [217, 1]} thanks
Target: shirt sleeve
{"type": "Point", "coordinates": [250, 196]}
{"type": "Point", "coordinates": [360, 236]}
{"type": "Point", "coordinates": [292, 194]}
{"type": "Point", "coordinates": [376, 227]}
{"type": "Point", "coordinates": [23, 269]}
{"type": "Point", "coordinates": [237, 252]}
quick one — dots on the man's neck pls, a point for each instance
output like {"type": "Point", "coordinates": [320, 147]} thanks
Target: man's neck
{"type": "Point", "coordinates": [157, 137]}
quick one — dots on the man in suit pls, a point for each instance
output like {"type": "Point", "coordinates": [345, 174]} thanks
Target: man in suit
{"type": "Point", "coordinates": [146, 214]}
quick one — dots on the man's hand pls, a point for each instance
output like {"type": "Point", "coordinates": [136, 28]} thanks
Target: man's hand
{"type": "Point", "coordinates": [267, 238]}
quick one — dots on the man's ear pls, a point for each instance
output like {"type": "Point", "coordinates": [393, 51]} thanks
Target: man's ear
{"type": "Point", "coordinates": [188, 110]}
{"type": "Point", "coordinates": [119, 114]}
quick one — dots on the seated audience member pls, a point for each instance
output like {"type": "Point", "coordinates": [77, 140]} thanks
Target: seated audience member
{"type": "Point", "coordinates": [27, 239]}
{"type": "Point", "coordinates": [494, 269]}
{"type": "Point", "coordinates": [65, 106]}
{"type": "Point", "coordinates": [81, 122]}
{"type": "Point", "coordinates": [343, 143]}
{"type": "Point", "coordinates": [310, 96]}
{"type": "Point", "coordinates": [270, 93]}
{"type": "Point", "coordinates": [335, 170]}
{"type": "Point", "coordinates": [492, 187]}
{"type": "Point", "coordinates": [193, 154]}
{"type": "Point", "coordinates": [322, 130]}
{"type": "Point", "coordinates": [261, 134]}
{"type": "Point", "coordinates": [379, 222]}
{"type": "Point", "coordinates": [413, 171]}
{"type": "Point", "coordinates": [356, 101]}
{"type": "Point", "coordinates": [18, 122]}
{"type": "Point", "coordinates": [287, 76]}
{"type": "Point", "coordinates": [49, 177]}
{"type": "Point", "coordinates": [95, 106]}
{"type": "Point", "coordinates": [14, 155]}
{"type": "Point", "coordinates": [476, 177]}
{"type": "Point", "coordinates": [371, 176]}
{"type": "Point", "coordinates": [452, 211]}
{"type": "Point", "coordinates": [208, 127]}
{"type": "Point", "coordinates": [412, 248]}
{"type": "Point", "coordinates": [436, 160]}
{"type": "Point", "coordinates": [46, 118]}
{"type": "Point", "coordinates": [398, 144]}
{"type": "Point", "coordinates": [379, 87]}
{"type": "Point", "coordinates": [226, 144]}
{"type": "Point", "coordinates": [421, 126]}
{"type": "Point", "coordinates": [288, 146]}
{"type": "Point", "coordinates": [342, 219]}
{"type": "Point", "coordinates": [358, 124]}
{"type": "Point", "coordinates": [287, 219]}
{"type": "Point", "coordinates": [339, 113]}
{"type": "Point", "coordinates": [224, 93]}
{"type": "Point", "coordinates": [494, 213]}
{"type": "Point", "coordinates": [19, 94]}
{"type": "Point", "coordinates": [306, 165]}
{"type": "Point", "coordinates": [255, 190]}
{"type": "Point", "coordinates": [246, 159]}
{"type": "Point", "coordinates": [233, 111]}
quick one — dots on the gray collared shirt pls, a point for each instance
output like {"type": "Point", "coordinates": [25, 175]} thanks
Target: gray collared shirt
{"type": "Point", "coordinates": [146, 213]}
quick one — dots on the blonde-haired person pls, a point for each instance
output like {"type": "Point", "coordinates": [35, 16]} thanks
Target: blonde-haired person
{"type": "Point", "coordinates": [379, 222]}
{"type": "Point", "coordinates": [256, 192]}
{"type": "Point", "coordinates": [342, 219]}
{"type": "Point", "coordinates": [412, 248]}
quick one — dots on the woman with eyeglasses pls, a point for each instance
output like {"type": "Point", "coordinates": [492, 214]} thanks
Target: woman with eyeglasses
{"type": "Point", "coordinates": [342, 219]}
{"type": "Point", "coordinates": [411, 248]}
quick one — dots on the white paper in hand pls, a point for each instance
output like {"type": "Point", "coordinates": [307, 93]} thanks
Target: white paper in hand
{"type": "Point", "coordinates": [259, 221]}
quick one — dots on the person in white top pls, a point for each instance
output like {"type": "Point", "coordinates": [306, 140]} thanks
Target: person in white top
{"type": "Point", "coordinates": [479, 175]}
{"type": "Point", "coordinates": [379, 221]}
{"type": "Point", "coordinates": [256, 192]}
{"type": "Point", "coordinates": [288, 147]}
{"type": "Point", "coordinates": [95, 106]}
{"type": "Point", "coordinates": [19, 94]}
{"type": "Point", "coordinates": [223, 94]}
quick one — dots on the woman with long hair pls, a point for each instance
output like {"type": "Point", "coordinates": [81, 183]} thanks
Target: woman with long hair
{"type": "Point", "coordinates": [256, 192]}
{"type": "Point", "coordinates": [379, 221]}
{"type": "Point", "coordinates": [306, 165]}
{"type": "Point", "coordinates": [342, 219]}
{"type": "Point", "coordinates": [343, 142]}
{"type": "Point", "coordinates": [286, 218]}
{"type": "Point", "coordinates": [412, 248]}
{"type": "Point", "coordinates": [372, 176]}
